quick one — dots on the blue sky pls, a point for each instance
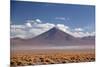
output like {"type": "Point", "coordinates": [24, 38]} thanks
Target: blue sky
{"type": "Point", "coordinates": [74, 16]}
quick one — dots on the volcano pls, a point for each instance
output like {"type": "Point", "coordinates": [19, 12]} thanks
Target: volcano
{"type": "Point", "coordinates": [53, 37]}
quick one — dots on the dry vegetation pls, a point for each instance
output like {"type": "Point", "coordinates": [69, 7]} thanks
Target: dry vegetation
{"type": "Point", "coordinates": [22, 59]}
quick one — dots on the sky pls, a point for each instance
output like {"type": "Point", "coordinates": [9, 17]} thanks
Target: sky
{"type": "Point", "coordinates": [38, 16]}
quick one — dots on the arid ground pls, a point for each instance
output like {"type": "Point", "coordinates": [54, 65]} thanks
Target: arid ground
{"type": "Point", "coordinates": [39, 57]}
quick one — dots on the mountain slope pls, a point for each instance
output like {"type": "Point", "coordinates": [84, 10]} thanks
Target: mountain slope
{"type": "Point", "coordinates": [53, 37]}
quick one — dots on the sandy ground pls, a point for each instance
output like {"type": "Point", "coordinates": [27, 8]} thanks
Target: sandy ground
{"type": "Point", "coordinates": [38, 57]}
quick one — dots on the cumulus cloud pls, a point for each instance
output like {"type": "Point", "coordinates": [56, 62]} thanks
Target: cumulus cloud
{"type": "Point", "coordinates": [28, 24]}
{"type": "Point", "coordinates": [38, 20]}
{"type": "Point", "coordinates": [34, 28]}
{"type": "Point", "coordinates": [79, 29]}
{"type": "Point", "coordinates": [30, 29]}
{"type": "Point", "coordinates": [83, 34]}
{"type": "Point", "coordinates": [35, 21]}
{"type": "Point", "coordinates": [79, 34]}
{"type": "Point", "coordinates": [62, 27]}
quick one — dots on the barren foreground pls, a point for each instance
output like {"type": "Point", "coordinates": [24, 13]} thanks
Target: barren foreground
{"type": "Point", "coordinates": [23, 58]}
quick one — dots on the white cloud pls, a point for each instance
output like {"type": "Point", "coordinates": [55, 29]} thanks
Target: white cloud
{"type": "Point", "coordinates": [83, 34]}
{"type": "Point", "coordinates": [62, 27]}
{"type": "Point", "coordinates": [79, 34]}
{"type": "Point", "coordinates": [38, 20]}
{"type": "Point", "coordinates": [30, 21]}
{"type": "Point", "coordinates": [28, 24]}
{"type": "Point", "coordinates": [30, 29]}
{"type": "Point", "coordinates": [18, 32]}
{"type": "Point", "coordinates": [17, 26]}
{"type": "Point", "coordinates": [79, 29]}
{"type": "Point", "coordinates": [45, 25]}
{"type": "Point", "coordinates": [60, 18]}
{"type": "Point", "coordinates": [33, 28]}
